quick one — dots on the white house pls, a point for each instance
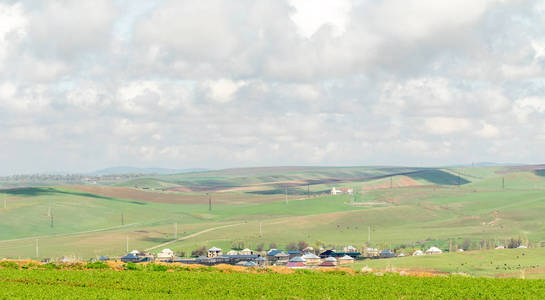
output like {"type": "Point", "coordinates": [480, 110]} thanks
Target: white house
{"type": "Point", "coordinates": [214, 251]}
{"type": "Point", "coordinates": [418, 253]}
{"type": "Point", "coordinates": [434, 250]}
{"type": "Point", "coordinates": [341, 191]}
{"type": "Point", "coordinates": [165, 255]}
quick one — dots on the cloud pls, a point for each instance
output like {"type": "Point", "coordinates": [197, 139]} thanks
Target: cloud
{"type": "Point", "coordinates": [198, 84]}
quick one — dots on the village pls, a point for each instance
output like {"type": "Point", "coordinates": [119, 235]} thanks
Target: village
{"type": "Point", "coordinates": [301, 258]}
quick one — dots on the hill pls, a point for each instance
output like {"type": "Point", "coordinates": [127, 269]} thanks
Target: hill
{"type": "Point", "coordinates": [391, 207]}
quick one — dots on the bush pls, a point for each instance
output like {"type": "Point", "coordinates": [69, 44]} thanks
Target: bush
{"type": "Point", "coordinates": [51, 266]}
{"type": "Point", "coordinates": [130, 266]}
{"type": "Point", "coordinates": [156, 267]}
{"type": "Point", "coordinates": [97, 265]}
{"type": "Point", "coordinates": [9, 265]}
{"type": "Point", "coordinates": [199, 252]}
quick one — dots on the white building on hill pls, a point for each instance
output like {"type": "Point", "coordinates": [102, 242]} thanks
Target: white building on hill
{"type": "Point", "coordinates": [341, 191]}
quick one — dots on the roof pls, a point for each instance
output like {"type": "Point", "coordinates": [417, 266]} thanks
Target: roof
{"type": "Point", "coordinates": [327, 264]}
{"type": "Point", "coordinates": [249, 264]}
{"type": "Point", "coordinates": [202, 257]}
{"type": "Point", "coordinates": [295, 265]}
{"type": "Point", "coordinates": [418, 252]}
{"type": "Point", "coordinates": [214, 249]}
{"type": "Point", "coordinates": [347, 257]}
{"type": "Point", "coordinates": [385, 251]}
{"type": "Point", "coordinates": [273, 252]}
{"type": "Point", "coordinates": [294, 251]}
{"type": "Point", "coordinates": [434, 249]}
{"type": "Point", "coordinates": [103, 258]}
{"type": "Point", "coordinates": [297, 259]}
{"type": "Point", "coordinates": [260, 259]}
{"type": "Point", "coordinates": [330, 259]}
{"type": "Point", "coordinates": [130, 255]}
{"type": "Point", "coordinates": [246, 250]}
{"type": "Point", "coordinates": [281, 254]}
{"type": "Point", "coordinates": [309, 255]}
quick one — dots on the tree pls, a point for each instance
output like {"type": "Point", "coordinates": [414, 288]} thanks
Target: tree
{"type": "Point", "coordinates": [180, 253]}
{"type": "Point", "coordinates": [260, 247]}
{"type": "Point", "coordinates": [198, 252]}
{"type": "Point", "coordinates": [302, 245]}
{"type": "Point", "coordinates": [466, 244]}
{"type": "Point", "coordinates": [291, 246]}
{"type": "Point", "coordinates": [273, 245]}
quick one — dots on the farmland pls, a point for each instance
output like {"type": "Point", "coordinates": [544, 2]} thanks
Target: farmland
{"type": "Point", "coordinates": [392, 207]}
{"type": "Point", "coordinates": [208, 283]}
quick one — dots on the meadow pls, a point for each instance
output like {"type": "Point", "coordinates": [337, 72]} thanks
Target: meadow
{"type": "Point", "coordinates": [391, 208]}
{"type": "Point", "coordinates": [213, 283]}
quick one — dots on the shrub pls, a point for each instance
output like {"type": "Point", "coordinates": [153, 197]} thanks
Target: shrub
{"type": "Point", "coordinates": [131, 266]}
{"type": "Point", "coordinates": [9, 265]}
{"type": "Point", "coordinates": [156, 267]}
{"type": "Point", "coordinates": [97, 265]}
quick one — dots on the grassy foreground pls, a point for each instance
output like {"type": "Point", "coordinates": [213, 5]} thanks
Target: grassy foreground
{"type": "Point", "coordinates": [206, 284]}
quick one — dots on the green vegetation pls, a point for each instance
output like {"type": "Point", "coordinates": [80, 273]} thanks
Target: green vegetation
{"type": "Point", "coordinates": [209, 283]}
{"type": "Point", "coordinates": [519, 263]}
{"type": "Point", "coordinates": [414, 208]}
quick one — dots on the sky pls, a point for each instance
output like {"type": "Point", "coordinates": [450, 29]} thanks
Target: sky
{"type": "Point", "coordinates": [86, 85]}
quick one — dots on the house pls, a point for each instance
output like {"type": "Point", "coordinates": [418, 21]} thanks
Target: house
{"type": "Point", "coordinates": [522, 247]}
{"type": "Point", "coordinates": [260, 261]}
{"type": "Point", "coordinates": [327, 253]}
{"type": "Point", "coordinates": [214, 251]}
{"type": "Point", "coordinates": [308, 249]}
{"type": "Point", "coordinates": [434, 250]}
{"type": "Point", "coordinates": [165, 255]}
{"type": "Point", "coordinates": [346, 260]}
{"type": "Point", "coordinates": [246, 252]}
{"type": "Point", "coordinates": [103, 258]}
{"type": "Point", "coordinates": [333, 253]}
{"type": "Point", "coordinates": [350, 249]}
{"type": "Point", "coordinates": [386, 254]}
{"type": "Point", "coordinates": [131, 257]}
{"type": "Point", "coordinates": [273, 252]}
{"type": "Point", "coordinates": [418, 253]}
{"type": "Point", "coordinates": [232, 252]}
{"type": "Point", "coordinates": [281, 258]}
{"type": "Point", "coordinates": [499, 247]}
{"type": "Point", "coordinates": [372, 252]}
{"type": "Point", "coordinates": [328, 262]}
{"type": "Point", "coordinates": [249, 264]}
{"type": "Point", "coordinates": [311, 259]}
{"type": "Point", "coordinates": [296, 263]}
{"type": "Point", "coordinates": [294, 253]}
{"type": "Point", "coordinates": [341, 191]}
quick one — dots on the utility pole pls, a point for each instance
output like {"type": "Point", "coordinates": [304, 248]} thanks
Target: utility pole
{"type": "Point", "coordinates": [369, 233]}
{"type": "Point", "coordinates": [391, 182]}
{"type": "Point", "coordinates": [176, 230]}
{"type": "Point", "coordinates": [127, 243]}
{"type": "Point", "coordinates": [260, 233]}
{"type": "Point", "coordinates": [122, 219]}
{"type": "Point", "coordinates": [209, 202]}
{"type": "Point", "coordinates": [37, 249]}
{"type": "Point", "coordinates": [5, 202]}
{"type": "Point", "coordinates": [286, 193]}
{"type": "Point", "coordinates": [51, 220]}
{"type": "Point", "coordinates": [308, 190]}
{"type": "Point", "coordinates": [503, 182]}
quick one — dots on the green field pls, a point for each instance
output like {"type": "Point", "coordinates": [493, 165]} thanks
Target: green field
{"type": "Point", "coordinates": [214, 284]}
{"type": "Point", "coordinates": [413, 208]}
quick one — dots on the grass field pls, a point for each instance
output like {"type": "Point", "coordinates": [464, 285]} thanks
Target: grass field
{"type": "Point", "coordinates": [413, 207]}
{"type": "Point", "coordinates": [210, 283]}
{"type": "Point", "coordinates": [517, 263]}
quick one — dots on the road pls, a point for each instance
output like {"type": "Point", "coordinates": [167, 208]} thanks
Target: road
{"type": "Point", "coordinates": [191, 236]}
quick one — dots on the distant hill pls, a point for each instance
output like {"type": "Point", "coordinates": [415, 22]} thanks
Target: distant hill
{"type": "Point", "coordinates": [133, 170]}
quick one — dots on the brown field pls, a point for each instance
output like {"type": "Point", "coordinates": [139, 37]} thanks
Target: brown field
{"type": "Point", "coordinates": [178, 198]}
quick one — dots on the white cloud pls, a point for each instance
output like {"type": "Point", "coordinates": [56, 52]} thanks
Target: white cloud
{"type": "Point", "coordinates": [446, 125]}
{"type": "Point", "coordinates": [309, 16]}
{"type": "Point", "coordinates": [223, 90]}
{"type": "Point", "coordinates": [197, 83]}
